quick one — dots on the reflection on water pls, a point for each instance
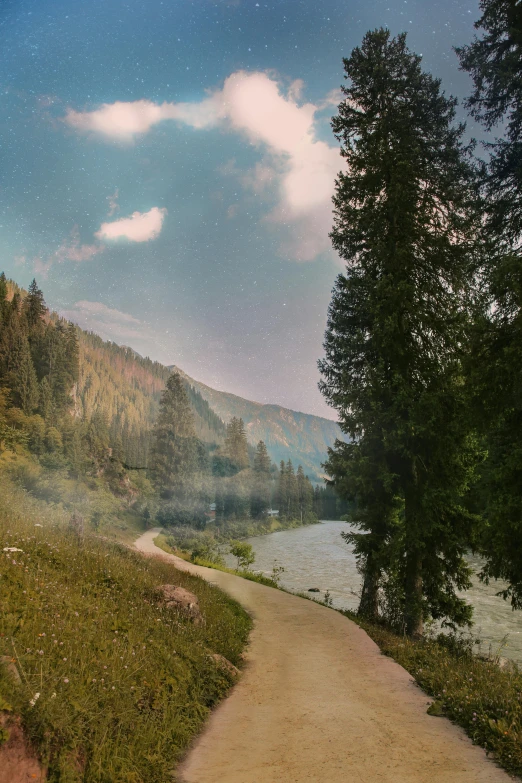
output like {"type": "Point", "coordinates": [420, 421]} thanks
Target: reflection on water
{"type": "Point", "coordinates": [317, 556]}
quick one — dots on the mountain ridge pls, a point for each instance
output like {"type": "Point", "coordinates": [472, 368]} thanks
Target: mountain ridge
{"type": "Point", "coordinates": [288, 434]}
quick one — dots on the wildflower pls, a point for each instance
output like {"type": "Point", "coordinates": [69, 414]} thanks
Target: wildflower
{"type": "Point", "coordinates": [65, 659]}
{"type": "Point", "coordinates": [37, 524]}
{"type": "Point", "coordinates": [34, 699]}
{"type": "Point", "coordinates": [53, 696]}
{"type": "Point", "coordinates": [12, 549]}
{"type": "Point", "coordinates": [65, 679]}
{"type": "Point", "coordinates": [40, 652]}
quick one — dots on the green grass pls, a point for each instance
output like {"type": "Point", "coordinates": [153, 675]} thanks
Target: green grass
{"type": "Point", "coordinates": [161, 543]}
{"type": "Point", "coordinates": [252, 576]}
{"type": "Point", "coordinates": [123, 684]}
{"type": "Point", "coordinates": [471, 691]}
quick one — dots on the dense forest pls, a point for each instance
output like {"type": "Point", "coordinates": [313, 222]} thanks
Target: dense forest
{"type": "Point", "coordinates": [96, 427]}
{"type": "Point", "coordinates": [423, 341]}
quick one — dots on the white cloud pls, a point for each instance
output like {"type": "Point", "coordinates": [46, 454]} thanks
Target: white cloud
{"type": "Point", "coordinates": [121, 121]}
{"type": "Point", "coordinates": [139, 227]}
{"type": "Point", "coordinates": [300, 168]}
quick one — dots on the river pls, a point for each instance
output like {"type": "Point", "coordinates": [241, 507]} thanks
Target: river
{"type": "Point", "coordinates": [317, 556]}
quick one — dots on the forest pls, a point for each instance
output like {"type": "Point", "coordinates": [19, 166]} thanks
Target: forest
{"type": "Point", "coordinates": [108, 434]}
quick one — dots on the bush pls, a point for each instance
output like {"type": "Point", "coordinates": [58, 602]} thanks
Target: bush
{"type": "Point", "coordinates": [177, 514]}
{"type": "Point", "coordinates": [244, 554]}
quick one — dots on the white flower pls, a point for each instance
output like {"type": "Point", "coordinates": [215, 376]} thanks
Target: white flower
{"type": "Point", "coordinates": [37, 524]}
{"type": "Point", "coordinates": [34, 699]}
{"type": "Point", "coordinates": [12, 549]}
{"type": "Point", "coordinates": [53, 696]}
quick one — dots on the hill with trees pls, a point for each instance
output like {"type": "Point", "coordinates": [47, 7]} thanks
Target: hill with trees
{"type": "Point", "coordinates": [288, 434]}
{"type": "Point", "coordinates": [109, 435]}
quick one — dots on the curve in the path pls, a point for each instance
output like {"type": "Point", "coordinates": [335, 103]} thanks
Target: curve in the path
{"type": "Point", "coordinates": [318, 703]}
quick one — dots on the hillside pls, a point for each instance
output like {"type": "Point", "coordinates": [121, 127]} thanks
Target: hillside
{"type": "Point", "coordinates": [120, 385]}
{"type": "Point", "coordinates": [287, 434]}
{"type": "Point", "coordinates": [127, 388]}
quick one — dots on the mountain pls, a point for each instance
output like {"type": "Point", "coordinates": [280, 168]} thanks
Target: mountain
{"type": "Point", "coordinates": [124, 388]}
{"type": "Point", "coordinates": [288, 434]}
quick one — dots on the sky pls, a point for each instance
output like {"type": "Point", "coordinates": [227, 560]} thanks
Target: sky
{"type": "Point", "coordinates": [167, 170]}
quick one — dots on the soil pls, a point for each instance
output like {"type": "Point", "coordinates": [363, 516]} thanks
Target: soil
{"type": "Point", "coordinates": [18, 762]}
{"type": "Point", "coordinates": [318, 703]}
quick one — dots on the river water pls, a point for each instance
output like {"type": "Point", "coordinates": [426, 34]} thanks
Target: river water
{"type": "Point", "coordinates": [317, 556]}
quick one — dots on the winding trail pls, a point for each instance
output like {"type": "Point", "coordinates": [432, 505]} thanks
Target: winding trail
{"type": "Point", "coordinates": [318, 703]}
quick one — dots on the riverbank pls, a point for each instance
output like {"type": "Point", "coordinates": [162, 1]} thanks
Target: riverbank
{"type": "Point", "coordinates": [318, 701]}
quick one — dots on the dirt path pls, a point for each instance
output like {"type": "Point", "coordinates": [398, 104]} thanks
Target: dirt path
{"type": "Point", "coordinates": [318, 703]}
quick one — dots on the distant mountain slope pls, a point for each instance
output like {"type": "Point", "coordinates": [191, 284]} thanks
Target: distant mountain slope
{"type": "Point", "coordinates": [288, 434]}
{"type": "Point", "coordinates": [126, 388]}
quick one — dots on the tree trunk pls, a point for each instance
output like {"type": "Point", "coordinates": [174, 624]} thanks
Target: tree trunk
{"type": "Point", "coordinates": [369, 603]}
{"type": "Point", "coordinates": [413, 613]}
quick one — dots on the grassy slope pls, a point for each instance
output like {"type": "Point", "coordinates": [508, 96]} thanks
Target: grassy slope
{"type": "Point", "coordinates": [124, 685]}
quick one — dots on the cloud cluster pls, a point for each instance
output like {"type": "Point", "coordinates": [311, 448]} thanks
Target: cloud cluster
{"type": "Point", "coordinates": [301, 168]}
{"type": "Point", "coordinates": [139, 227]}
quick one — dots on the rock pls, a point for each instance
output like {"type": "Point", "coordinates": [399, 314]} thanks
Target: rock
{"type": "Point", "coordinates": [313, 590]}
{"type": "Point", "coordinates": [10, 666]}
{"type": "Point", "coordinates": [436, 709]}
{"type": "Point", "coordinates": [224, 663]}
{"type": "Point", "coordinates": [185, 602]}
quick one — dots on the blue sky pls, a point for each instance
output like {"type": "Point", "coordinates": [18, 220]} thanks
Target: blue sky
{"type": "Point", "coordinates": [168, 166]}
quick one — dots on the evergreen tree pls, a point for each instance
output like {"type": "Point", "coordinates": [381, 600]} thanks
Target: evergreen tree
{"type": "Point", "coordinates": [34, 307]}
{"type": "Point", "coordinates": [292, 494]}
{"type": "Point", "coordinates": [494, 62]}
{"type": "Point", "coordinates": [305, 495]}
{"type": "Point", "coordinates": [174, 459]}
{"type": "Point", "coordinates": [260, 490]}
{"type": "Point", "coordinates": [282, 501]}
{"type": "Point", "coordinates": [236, 444]}
{"type": "Point", "coordinates": [405, 223]}
{"type": "Point", "coordinates": [20, 375]}
{"type": "Point", "coordinates": [3, 297]}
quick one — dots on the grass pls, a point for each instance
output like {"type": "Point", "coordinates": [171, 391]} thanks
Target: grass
{"type": "Point", "coordinates": [252, 576]}
{"type": "Point", "coordinates": [472, 691]}
{"type": "Point", "coordinates": [123, 684]}
{"type": "Point", "coordinates": [161, 543]}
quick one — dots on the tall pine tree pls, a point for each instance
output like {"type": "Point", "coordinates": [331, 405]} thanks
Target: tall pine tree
{"type": "Point", "coordinates": [174, 458]}
{"type": "Point", "coordinates": [261, 480]}
{"type": "Point", "coordinates": [405, 222]}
